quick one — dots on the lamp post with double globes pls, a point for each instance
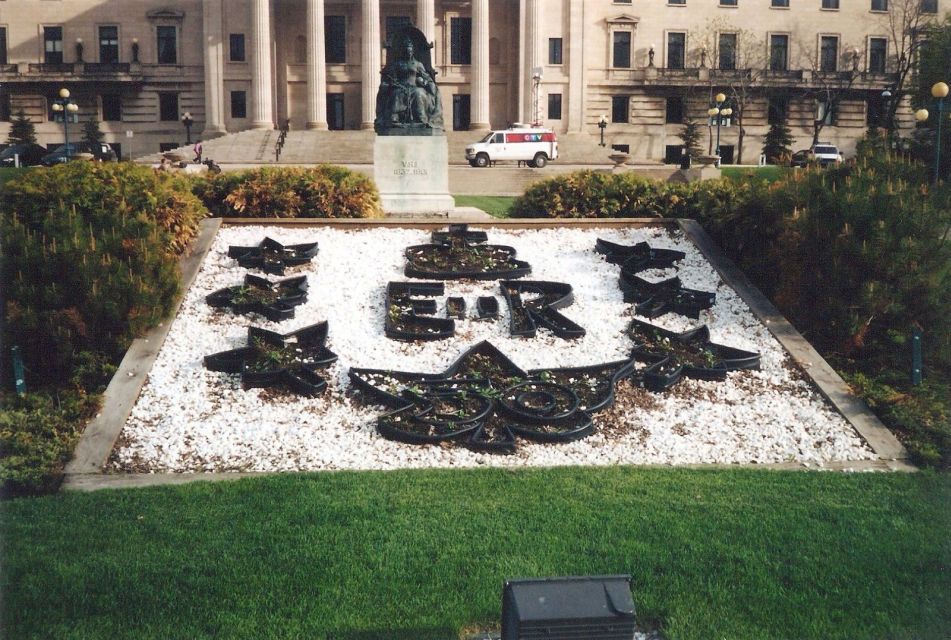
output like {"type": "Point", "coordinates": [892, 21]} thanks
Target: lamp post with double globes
{"type": "Point", "coordinates": [66, 106]}
{"type": "Point", "coordinates": [187, 121]}
{"type": "Point", "coordinates": [718, 112]}
{"type": "Point", "coordinates": [939, 90]}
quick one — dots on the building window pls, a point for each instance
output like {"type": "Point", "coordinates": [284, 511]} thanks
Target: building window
{"type": "Point", "coordinates": [676, 1]}
{"type": "Point", "coordinates": [167, 40]}
{"type": "Point", "coordinates": [620, 108]}
{"type": "Point", "coordinates": [236, 47]}
{"type": "Point", "coordinates": [877, 48]}
{"type": "Point", "coordinates": [109, 44]}
{"type": "Point", "coordinates": [3, 45]}
{"type": "Point", "coordinates": [782, 4]}
{"type": "Point", "coordinates": [879, 5]}
{"type": "Point", "coordinates": [676, 48]}
{"type": "Point", "coordinates": [239, 104]}
{"type": "Point", "coordinates": [778, 52]}
{"type": "Point", "coordinates": [4, 107]}
{"type": "Point", "coordinates": [53, 45]}
{"type": "Point", "coordinates": [675, 110]}
{"type": "Point", "coordinates": [777, 109]}
{"type": "Point", "coordinates": [554, 106]}
{"type": "Point", "coordinates": [727, 51]}
{"type": "Point", "coordinates": [460, 41]}
{"type": "Point", "coordinates": [825, 113]}
{"type": "Point", "coordinates": [554, 51]}
{"type": "Point", "coordinates": [168, 107]}
{"type": "Point", "coordinates": [622, 50]}
{"type": "Point", "coordinates": [830, 4]}
{"type": "Point", "coordinates": [111, 107]}
{"type": "Point", "coordinates": [929, 6]}
{"type": "Point", "coordinates": [335, 39]}
{"type": "Point", "coordinates": [828, 53]}
{"type": "Point", "coordinates": [727, 3]}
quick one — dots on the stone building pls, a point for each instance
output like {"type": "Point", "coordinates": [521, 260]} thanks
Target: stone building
{"type": "Point", "coordinates": [643, 66]}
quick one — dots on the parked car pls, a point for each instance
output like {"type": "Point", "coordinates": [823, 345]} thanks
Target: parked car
{"type": "Point", "coordinates": [29, 155]}
{"type": "Point", "coordinates": [800, 158]}
{"type": "Point", "coordinates": [100, 151]}
{"type": "Point", "coordinates": [825, 153]}
{"type": "Point", "coordinates": [534, 146]}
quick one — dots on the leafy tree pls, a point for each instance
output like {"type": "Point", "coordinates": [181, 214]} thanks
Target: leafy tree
{"type": "Point", "coordinates": [91, 132]}
{"type": "Point", "coordinates": [776, 143]}
{"type": "Point", "coordinates": [691, 135]}
{"type": "Point", "coordinates": [21, 130]}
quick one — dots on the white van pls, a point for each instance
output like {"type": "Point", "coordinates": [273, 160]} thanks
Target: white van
{"type": "Point", "coordinates": [534, 146]}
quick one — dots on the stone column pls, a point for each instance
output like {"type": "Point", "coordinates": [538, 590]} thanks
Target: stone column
{"type": "Point", "coordinates": [262, 114]}
{"type": "Point", "coordinates": [576, 76]}
{"type": "Point", "coordinates": [316, 66]}
{"type": "Point", "coordinates": [532, 57]}
{"type": "Point", "coordinates": [480, 65]}
{"type": "Point", "coordinates": [426, 19]}
{"type": "Point", "coordinates": [370, 60]}
{"type": "Point", "coordinates": [214, 62]}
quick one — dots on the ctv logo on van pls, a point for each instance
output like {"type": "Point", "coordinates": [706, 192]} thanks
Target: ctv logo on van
{"type": "Point", "coordinates": [529, 137]}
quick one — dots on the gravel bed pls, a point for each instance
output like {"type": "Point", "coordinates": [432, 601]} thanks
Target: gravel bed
{"type": "Point", "coordinates": [190, 419]}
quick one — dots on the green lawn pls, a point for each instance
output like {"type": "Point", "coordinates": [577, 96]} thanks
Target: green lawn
{"type": "Point", "coordinates": [496, 206]}
{"type": "Point", "coordinates": [771, 173]}
{"type": "Point", "coordinates": [423, 554]}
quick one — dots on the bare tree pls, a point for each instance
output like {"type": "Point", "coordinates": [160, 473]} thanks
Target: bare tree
{"type": "Point", "coordinates": [829, 86]}
{"type": "Point", "coordinates": [740, 77]}
{"type": "Point", "coordinates": [906, 23]}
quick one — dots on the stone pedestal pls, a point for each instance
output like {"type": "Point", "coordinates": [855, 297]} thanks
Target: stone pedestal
{"type": "Point", "coordinates": [412, 174]}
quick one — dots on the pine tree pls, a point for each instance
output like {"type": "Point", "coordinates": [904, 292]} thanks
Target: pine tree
{"type": "Point", "coordinates": [91, 132]}
{"type": "Point", "coordinates": [776, 143]}
{"type": "Point", "coordinates": [691, 135]}
{"type": "Point", "coordinates": [21, 130]}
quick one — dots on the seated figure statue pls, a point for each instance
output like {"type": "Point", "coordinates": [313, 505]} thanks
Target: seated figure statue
{"type": "Point", "coordinates": [408, 100]}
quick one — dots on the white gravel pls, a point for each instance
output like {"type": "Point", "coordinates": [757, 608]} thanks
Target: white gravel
{"type": "Point", "coordinates": [191, 419]}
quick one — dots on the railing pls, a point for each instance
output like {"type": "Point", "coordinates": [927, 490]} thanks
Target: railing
{"type": "Point", "coordinates": [782, 74]}
{"type": "Point", "coordinates": [280, 140]}
{"type": "Point", "coordinates": [51, 67]}
{"type": "Point", "coordinates": [107, 67]}
{"type": "Point", "coordinates": [9, 68]}
{"type": "Point", "coordinates": [679, 73]}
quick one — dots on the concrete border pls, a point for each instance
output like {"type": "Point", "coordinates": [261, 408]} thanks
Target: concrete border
{"type": "Point", "coordinates": [95, 445]}
{"type": "Point", "coordinates": [84, 472]}
{"type": "Point", "coordinates": [885, 445]}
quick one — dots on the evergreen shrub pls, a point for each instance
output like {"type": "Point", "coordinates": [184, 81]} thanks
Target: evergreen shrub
{"type": "Point", "coordinates": [90, 261]}
{"type": "Point", "coordinates": [325, 191]}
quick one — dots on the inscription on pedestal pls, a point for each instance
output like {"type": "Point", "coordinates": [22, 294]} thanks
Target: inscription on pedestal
{"type": "Point", "coordinates": [410, 168]}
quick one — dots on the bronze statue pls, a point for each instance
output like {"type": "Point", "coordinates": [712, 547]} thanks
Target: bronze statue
{"type": "Point", "coordinates": [407, 102]}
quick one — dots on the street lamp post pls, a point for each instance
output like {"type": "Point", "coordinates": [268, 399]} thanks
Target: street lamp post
{"type": "Point", "coordinates": [602, 125]}
{"type": "Point", "coordinates": [940, 91]}
{"type": "Point", "coordinates": [66, 106]}
{"type": "Point", "coordinates": [187, 121]}
{"type": "Point", "coordinates": [719, 112]}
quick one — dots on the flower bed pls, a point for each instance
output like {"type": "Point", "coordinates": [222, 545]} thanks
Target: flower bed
{"type": "Point", "coordinates": [189, 418]}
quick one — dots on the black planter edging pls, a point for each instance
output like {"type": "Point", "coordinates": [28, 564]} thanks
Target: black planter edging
{"type": "Point", "coordinates": [691, 352]}
{"type": "Point", "coordinates": [657, 298]}
{"type": "Point", "coordinates": [456, 307]}
{"type": "Point", "coordinates": [487, 308]}
{"type": "Point", "coordinates": [527, 316]}
{"type": "Point", "coordinates": [654, 299]}
{"type": "Point", "coordinates": [485, 396]}
{"type": "Point", "coordinates": [290, 360]}
{"type": "Point", "coordinates": [281, 297]}
{"type": "Point", "coordinates": [273, 257]}
{"type": "Point", "coordinates": [409, 318]}
{"type": "Point", "coordinates": [453, 247]}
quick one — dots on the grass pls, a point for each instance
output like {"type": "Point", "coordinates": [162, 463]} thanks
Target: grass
{"type": "Point", "coordinates": [423, 554]}
{"type": "Point", "coordinates": [495, 206]}
{"type": "Point", "coordinates": [770, 173]}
